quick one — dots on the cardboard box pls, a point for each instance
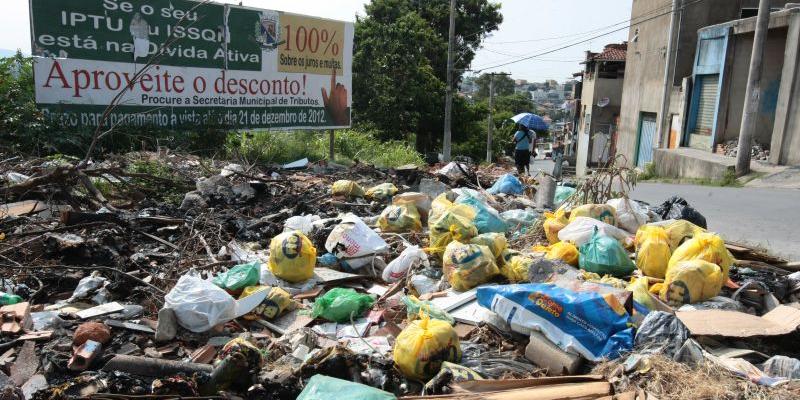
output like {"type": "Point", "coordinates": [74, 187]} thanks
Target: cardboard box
{"type": "Point", "coordinates": [780, 321]}
{"type": "Point", "coordinates": [544, 353]}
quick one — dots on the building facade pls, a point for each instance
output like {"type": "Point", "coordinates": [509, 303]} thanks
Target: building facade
{"type": "Point", "coordinates": [601, 95]}
{"type": "Point", "coordinates": [646, 63]}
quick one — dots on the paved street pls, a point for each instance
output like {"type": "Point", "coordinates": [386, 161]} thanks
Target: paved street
{"type": "Point", "coordinates": [759, 216]}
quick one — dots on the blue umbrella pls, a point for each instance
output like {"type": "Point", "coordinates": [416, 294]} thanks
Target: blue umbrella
{"type": "Point", "coordinates": [532, 121]}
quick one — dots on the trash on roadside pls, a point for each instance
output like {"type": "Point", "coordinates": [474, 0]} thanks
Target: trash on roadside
{"type": "Point", "coordinates": [605, 255]}
{"type": "Point", "coordinates": [302, 223]}
{"type": "Point", "coordinates": [517, 268]}
{"type": "Point", "coordinates": [347, 188]}
{"type": "Point", "coordinates": [678, 231]}
{"type": "Point", "coordinates": [580, 230]}
{"type": "Point", "coordinates": [678, 208]}
{"type": "Point", "coordinates": [239, 277]}
{"type": "Point", "coordinates": [564, 251]}
{"type": "Point", "coordinates": [416, 307]}
{"type": "Point", "coordinates": [400, 218]}
{"type": "Point", "coordinates": [420, 200]}
{"type": "Point", "coordinates": [508, 184]}
{"type": "Point", "coordinates": [341, 305]}
{"type": "Point", "coordinates": [486, 218]}
{"type": "Point", "coordinates": [553, 224]}
{"type": "Point", "coordinates": [544, 353]}
{"type": "Point", "coordinates": [292, 257]}
{"type": "Point", "coordinates": [691, 281]}
{"type": "Point", "coordinates": [321, 387]}
{"type": "Point", "coordinates": [516, 219]}
{"type": "Point", "coordinates": [454, 223]}
{"type": "Point", "coordinates": [601, 212]}
{"type": "Point", "coordinates": [630, 215]}
{"type": "Point", "coordinates": [276, 302]}
{"type": "Point", "coordinates": [423, 345]}
{"type": "Point", "coordinates": [707, 247]}
{"type": "Point", "coordinates": [652, 250]}
{"type": "Point", "coordinates": [496, 242]}
{"type": "Point", "coordinates": [381, 192]}
{"type": "Point", "coordinates": [468, 265]}
{"type": "Point", "coordinates": [353, 242]}
{"type": "Point", "coordinates": [562, 194]}
{"type": "Point", "coordinates": [591, 324]}
{"type": "Point", "coordinates": [409, 258]}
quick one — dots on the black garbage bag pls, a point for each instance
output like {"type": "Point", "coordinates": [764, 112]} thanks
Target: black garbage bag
{"type": "Point", "coordinates": [678, 208]}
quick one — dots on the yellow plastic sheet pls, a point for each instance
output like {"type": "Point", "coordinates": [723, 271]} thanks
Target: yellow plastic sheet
{"type": "Point", "coordinates": [400, 218]}
{"type": "Point", "coordinates": [652, 250]}
{"type": "Point", "coordinates": [468, 265]}
{"type": "Point", "coordinates": [292, 256]}
{"type": "Point", "coordinates": [554, 222]}
{"type": "Point", "coordinates": [564, 251]}
{"type": "Point", "coordinates": [276, 302]}
{"type": "Point", "coordinates": [691, 281]}
{"type": "Point", "coordinates": [704, 246]}
{"type": "Point", "coordinates": [347, 188]}
{"type": "Point", "coordinates": [516, 269]}
{"type": "Point", "coordinates": [600, 212]}
{"type": "Point", "coordinates": [423, 345]}
{"type": "Point", "coordinates": [381, 192]}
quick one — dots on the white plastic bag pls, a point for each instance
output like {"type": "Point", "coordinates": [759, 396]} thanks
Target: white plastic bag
{"type": "Point", "coordinates": [452, 170]}
{"type": "Point", "coordinates": [421, 200]}
{"type": "Point", "coordinates": [353, 241]}
{"type": "Point", "coordinates": [412, 256]}
{"type": "Point", "coordinates": [630, 215]}
{"type": "Point", "coordinates": [580, 231]}
{"type": "Point", "coordinates": [302, 223]}
{"type": "Point", "coordinates": [199, 304]}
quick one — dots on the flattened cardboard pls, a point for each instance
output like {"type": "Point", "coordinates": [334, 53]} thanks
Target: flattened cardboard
{"type": "Point", "coordinates": [780, 321]}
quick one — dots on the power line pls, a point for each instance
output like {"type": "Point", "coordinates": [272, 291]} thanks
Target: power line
{"type": "Point", "coordinates": [585, 40]}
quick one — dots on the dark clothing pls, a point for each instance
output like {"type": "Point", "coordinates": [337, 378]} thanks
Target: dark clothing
{"type": "Point", "coordinates": [522, 159]}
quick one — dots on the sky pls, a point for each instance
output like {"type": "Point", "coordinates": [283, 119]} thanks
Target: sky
{"type": "Point", "coordinates": [533, 26]}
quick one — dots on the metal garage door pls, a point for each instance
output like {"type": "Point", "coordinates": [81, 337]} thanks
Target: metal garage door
{"type": "Point", "coordinates": [647, 134]}
{"type": "Point", "coordinates": [707, 105]}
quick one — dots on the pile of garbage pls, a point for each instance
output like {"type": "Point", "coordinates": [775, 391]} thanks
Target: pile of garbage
{"type": "Point", "coordinates": [315, 280]}
{"type": "Point", "coordinates": [730, 148]}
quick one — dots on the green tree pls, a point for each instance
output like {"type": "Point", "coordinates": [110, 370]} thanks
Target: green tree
{"type": "Point", "coordinates": [503, 85]}
{"type": "Point", "coordinates": [400, 65]}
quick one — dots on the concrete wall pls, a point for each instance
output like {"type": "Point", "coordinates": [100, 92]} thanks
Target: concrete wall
{"type": "Point", "coordinates": [644, 69]}
{"type": "Point", "coordinates": [738, 68]}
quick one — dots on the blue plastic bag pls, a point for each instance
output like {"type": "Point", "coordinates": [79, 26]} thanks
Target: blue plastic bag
{"type": "Point", "coordinates": [508, 184]}
{"type": "Point", "coordinates": [589, 323]}
{"type": "Point", "coordinates": [321, 387]}
{"type": "Point", "coordinates": [487, 219]}
{"type": "Point", "coordinates": [604, 255]}
{"type": "Point", "coordinates": [562, 193]}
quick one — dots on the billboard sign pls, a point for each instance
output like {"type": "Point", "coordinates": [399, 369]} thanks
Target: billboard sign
{"type": "Point", "coordinates": [187, 63]}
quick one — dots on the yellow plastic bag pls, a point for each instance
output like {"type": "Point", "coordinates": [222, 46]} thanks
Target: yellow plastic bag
{"type": "Point", "coordinates": [600, 212]}
{"type": "Point", "coordinates": [652, 250]}
{"type": "Point", "coordinates": [381, 192]}
{"type": "Point", "coordinates": [439, 205]}
{"type": "Point", "coordinates": [276, 302]}
{"type": "Point", "coordinates": [553, 224]}
{"type": "Point", "coordinates": [691, 281]}
{"type": "Point", "coordinates": [347, 189]}
{"type": "Point", "coordinates": [506, 256]}
{"type": "Point", "coordinates": [679, 230]}
{"type": "Point", "coordinates": [292, 257]}
{"type": "Point", "coordinates": [468, 265]}
{"type": "Point", "coordinates": [516, 269]}
{"type": "Point", "coordinates": [641, 294]}
{"type": "Point", "coordinates": [564, 251]}
{"type": "Point", "coordinates": [704, 246]}
{"type": "Point", "coordinates": [423, 345]}
{"type": "Point", "coordinates": [455, 223]}
{"type": "Point", "coordinates": [496, 242]}
{"type": "Point", "coordinates": [402, 218]}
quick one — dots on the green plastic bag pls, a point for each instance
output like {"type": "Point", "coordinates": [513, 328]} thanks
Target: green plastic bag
{"type": "Point", "coordinates": [339, 303]}
{"type": "Point", "coordinates": [239, 277]}
{"type": "Point", "coordinates": [413, 306]}
{"type": "Point", "coordinates": [321, 387]}
{"type": "Point", "coordinates": [562, 194]}
{"type": "Point", "coordinates": [604, 255]}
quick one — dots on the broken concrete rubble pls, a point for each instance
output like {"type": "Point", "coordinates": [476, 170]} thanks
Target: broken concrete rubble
{"type": "Point", "coordinates": [101, 316]}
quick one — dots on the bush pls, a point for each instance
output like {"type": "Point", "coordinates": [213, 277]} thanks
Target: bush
{"type": "Point", "coordinates": [349, 145]}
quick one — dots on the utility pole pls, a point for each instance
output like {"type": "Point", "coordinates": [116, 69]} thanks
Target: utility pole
{"type": "Point", "coordinates": [491, 122]}
{"type": "Point", "coordinates": [669, 65]}
{"type": "Point", "coordinates": [448, 102]}
{"type": "Point", "coordinates": [752, 95]}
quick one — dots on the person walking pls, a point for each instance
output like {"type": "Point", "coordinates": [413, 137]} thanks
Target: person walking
{"type": "Point", "coordinates": [522, 153]}
{"type": "Point", "coordinates": [558, 156]}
